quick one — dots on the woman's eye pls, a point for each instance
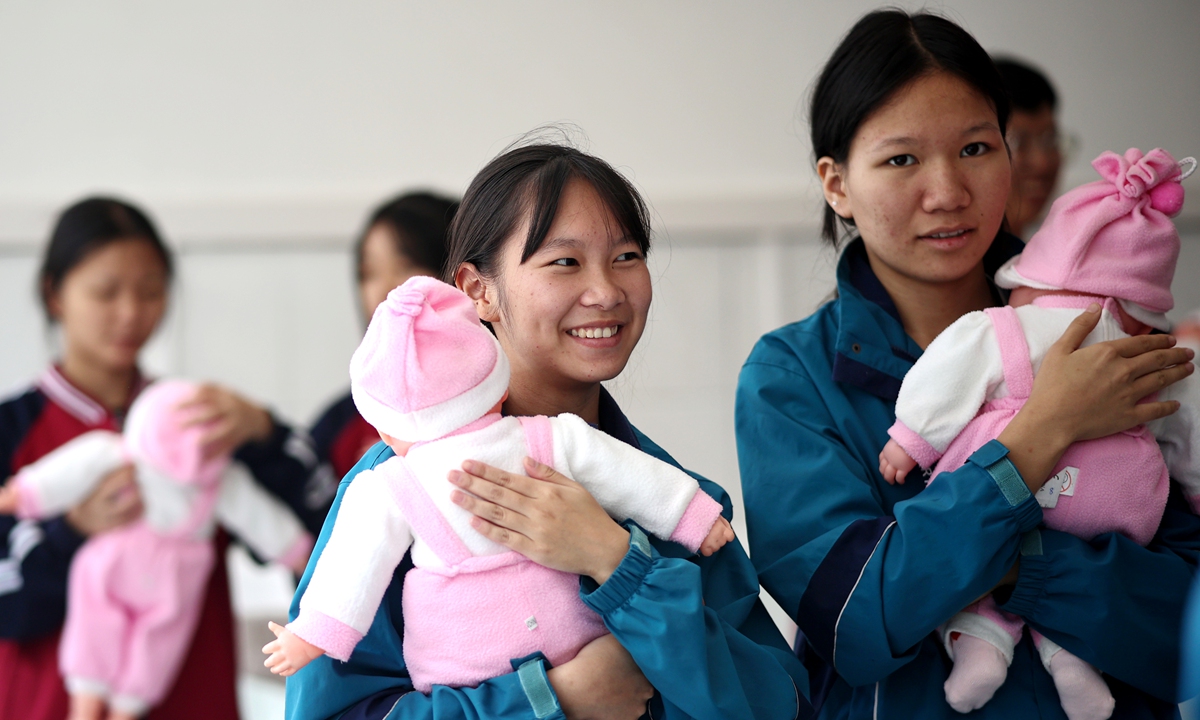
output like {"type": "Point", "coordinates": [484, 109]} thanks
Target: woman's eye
{"type": "Point", "coordinates": [902, 161]}
{"type": "Point", "coordinates": [565, 262]}
{"type": "Point", "coordinates": [627, 256]}
{"type": "Point", "coordinates": [974, 149]}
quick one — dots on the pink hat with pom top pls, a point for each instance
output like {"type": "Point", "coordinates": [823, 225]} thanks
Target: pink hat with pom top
{"type": "Point", "coordinates": [156, 433]}
{"type": "Point", "coordinates": [426, 365]}
{"type": "Point", "coordinates": [1112, 237]}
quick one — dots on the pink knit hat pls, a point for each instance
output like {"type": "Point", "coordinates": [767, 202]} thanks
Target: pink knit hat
{"type": "Point", "coordinates": [426, 365]}
{"type": "Point", "coordinates": [1112, 237]}
{"type": "Point", "coordinates": [155, 434]}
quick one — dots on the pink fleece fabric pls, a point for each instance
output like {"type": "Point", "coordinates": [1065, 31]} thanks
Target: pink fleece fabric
{"type": "Point", "coordinates": [156, 432]}
{"type": "Point", "coordinates": [29, 505]}
{"type": "Point", "coordinates": [1112, 237]}
{"type": "Point", "coordinates": [426, 365]}
{"type": "Point", "coordinates": [697, 520]}
{"type": "Point", "coordinates": [915, 445]}
{"type": "Point", "coordinates": [133, 603]}
{"type": "Point", "coordinates": [336, 638]}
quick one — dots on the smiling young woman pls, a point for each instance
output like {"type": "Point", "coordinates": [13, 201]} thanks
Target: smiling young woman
{"type": "Point", "coordinates": [551, 243]}
{"type": "Point", "coordinates": [908, 120]}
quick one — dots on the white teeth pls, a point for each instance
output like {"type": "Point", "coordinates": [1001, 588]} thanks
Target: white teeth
{"type": "Point", "coordinates": [594, 332]}
{"type": "Point", "coordinates": [942, 236]}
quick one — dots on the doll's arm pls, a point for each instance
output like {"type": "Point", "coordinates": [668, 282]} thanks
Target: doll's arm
{"type": "Point", "coordinates": [631, 485]}
{"type": "Point", "coordinates": [264, 522]}
{"type": "Point", "coordinates": [368, 541]}
{"type": "Point", "coordinates": [63, 478]}
{"type": "Point", "coordinates": [944, 390]}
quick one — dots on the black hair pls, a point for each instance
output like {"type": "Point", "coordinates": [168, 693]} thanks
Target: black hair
{"type": "Point", "coordinates": [420, 222]}
{"type": "Point", "coordinates": [882, 53]}
{"type": "Point", "coordinates": [1028, 88]}
{"type": "Point", "coordinates": [87, 226]}
{"type": "Point", "coordinates": [531, 179]}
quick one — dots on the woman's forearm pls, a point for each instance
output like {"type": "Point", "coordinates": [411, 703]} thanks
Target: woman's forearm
{"type": "Point", "coordinates": [1035, 445]}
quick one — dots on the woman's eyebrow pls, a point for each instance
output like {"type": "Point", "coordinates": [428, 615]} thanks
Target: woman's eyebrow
{"type": "Point", "coordinates": [900, 141]}
{"type": "Point", "coordinates": [568, 242]}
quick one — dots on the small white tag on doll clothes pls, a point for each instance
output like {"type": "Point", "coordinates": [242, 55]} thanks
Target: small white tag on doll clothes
{"type": "Point", "coordinates": [531, 622]}
{"type": "Point", "coordinates": [1062, 484]}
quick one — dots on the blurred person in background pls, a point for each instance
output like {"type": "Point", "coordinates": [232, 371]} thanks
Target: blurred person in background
{"type": "Point", "coordinates": [105, 280]}
{"type": "Point", "coordinates": [1038, 148]}
{"type": "Point", "coordinates": [405, 236]}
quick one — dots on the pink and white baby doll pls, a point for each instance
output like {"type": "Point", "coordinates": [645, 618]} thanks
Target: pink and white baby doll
{"type": "Point", "coordinates": [134, 594]}
{"type": "Point", "coordinates": [1109, 242]}
{"type": "Point", "coordinates": [431, 379]}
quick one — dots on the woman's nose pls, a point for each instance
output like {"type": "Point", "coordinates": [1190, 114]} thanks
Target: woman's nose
{"type": "Point", "coordinates": [947, 189]}
{"type": "Point", "coordinates": [602, 291]}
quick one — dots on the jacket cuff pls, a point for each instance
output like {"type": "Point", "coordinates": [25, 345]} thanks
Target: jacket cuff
{"type": "Point", "coordinates": [29, 505]}
{"type": "Point", "coordinates": [993, 459]}
{"type": "Point", "coordinates": [539, 691]}
{"type": "Point", "coordinates": [702, 512]}
{"type": "Point", "coordinates": [333, 636]}
{"type": "Point", "coordinates": [625, 580]}
{"type": "Point", "coordinates": [62, 536]}
{"type": "Point", "coordinates": [1035, 570]}
{"type": "Point", "coordinates": [915, 445]}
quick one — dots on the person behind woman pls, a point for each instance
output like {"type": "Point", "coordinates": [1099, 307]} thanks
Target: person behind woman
{"type": "Point", "coordinates": [104, 280]}
{"type": "Point", "coordinates": [550, 244]}
{"type": "Point", "coordinates": [1034, 141]}
{"type": "Point", "coordinates": [908, 121]}
{"type": "Point", "coordinates": [405, 236]}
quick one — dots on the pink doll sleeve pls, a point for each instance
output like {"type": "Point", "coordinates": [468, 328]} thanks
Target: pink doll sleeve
{"type": "Point", "coordinates": [702, 512]}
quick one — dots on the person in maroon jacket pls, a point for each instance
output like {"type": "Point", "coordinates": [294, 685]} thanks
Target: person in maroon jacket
{"type": "Point", "coordinates": [104, 280]}
{"type": "Point", "coordinates": [405, 236]}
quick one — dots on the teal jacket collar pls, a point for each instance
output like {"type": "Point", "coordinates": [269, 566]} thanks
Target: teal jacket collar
{"type": "Point", "coordinates": [872, 351]}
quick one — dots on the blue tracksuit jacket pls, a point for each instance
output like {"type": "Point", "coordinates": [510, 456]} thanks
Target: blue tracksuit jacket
{"type": "Point", "coordinates": [694, 625]}
{"type": "Point", "coordinates": [870, 570]}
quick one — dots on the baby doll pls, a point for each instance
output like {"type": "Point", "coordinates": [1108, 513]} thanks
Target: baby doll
{"type": "Point", "coordinates": [134, 594]}
{"type": "Point", "coordinates": [431, 379]}
{"type": "Point", "coordinates": [1110, 242]}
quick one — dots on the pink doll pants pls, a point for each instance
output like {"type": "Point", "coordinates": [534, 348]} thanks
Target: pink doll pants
{"type": "Point", "coordinates": [1121, 479]}
{"type": "Point", "coordinates": [133, 601]}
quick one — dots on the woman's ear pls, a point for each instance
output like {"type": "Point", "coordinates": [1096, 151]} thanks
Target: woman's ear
{"type": "Point", "coordinates": [51, 299]}
{"type": "Point", "coordinates": [482, 293]}
{"type": "Point", "coordinates": [833, 185]}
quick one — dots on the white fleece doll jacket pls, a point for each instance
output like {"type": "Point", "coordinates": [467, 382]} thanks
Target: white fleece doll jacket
{"type": "Point", "coordinates": [135, 593]}
{"type": "Point", "coordinates": [428, 371]}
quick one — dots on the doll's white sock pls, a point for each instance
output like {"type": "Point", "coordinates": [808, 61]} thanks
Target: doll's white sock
{"type": "Point", "coordinates": [1083, 693]}
{"type": "Point", "coordinates": [979, 670]}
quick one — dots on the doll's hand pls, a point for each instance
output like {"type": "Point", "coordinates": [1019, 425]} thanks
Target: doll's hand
{"type": "Point", "coordinates": [8, 498]}
{"type": "Point", "coordinates": [894, 463]}
{"type": "Point", "coordinates": [719, 536]}
{"type": "Point", "coordinates": [288, 653]}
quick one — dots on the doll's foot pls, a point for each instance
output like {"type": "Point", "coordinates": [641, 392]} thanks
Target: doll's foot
{"type": "Point", "coordinates": [86, 707]}
{"type": "Point", "coordinates": [1083, 693]}
{"type": "Point", "coordinates": [979, 670]}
